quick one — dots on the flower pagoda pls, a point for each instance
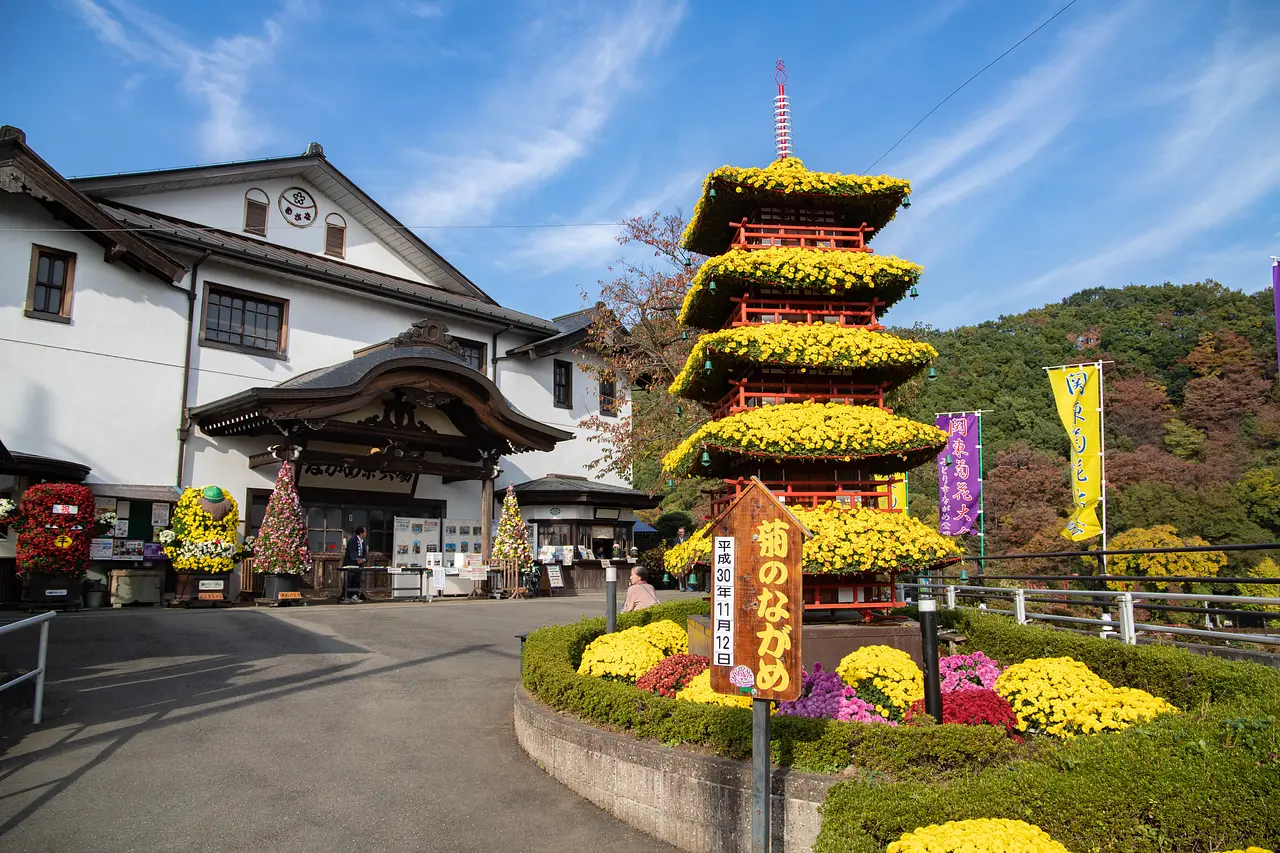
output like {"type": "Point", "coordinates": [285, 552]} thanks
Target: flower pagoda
{"type": "Point", "coordinates": [795, 367]}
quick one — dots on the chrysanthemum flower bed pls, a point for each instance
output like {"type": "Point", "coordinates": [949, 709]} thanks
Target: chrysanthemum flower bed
{"type": "Point", "coordinates": [1197, 781]}
{"type": "Point", "coordinates": [810, 347]}
{"type": "Point", "coordinates": [845, 540]}
{"type": "Point", "coordinates": [809, 430]}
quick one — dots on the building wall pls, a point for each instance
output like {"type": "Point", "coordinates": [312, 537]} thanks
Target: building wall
{"type": "Point", "coordinates": [103, 390]}
{"type": "Point", "coordinates": [223, 207]}
{"type": "Point", "coordinates": [527, 384]}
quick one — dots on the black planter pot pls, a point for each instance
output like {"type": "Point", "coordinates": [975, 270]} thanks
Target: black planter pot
{"type": "Point", "coordinates": [49, 590]}
{"type": "Point", "coordinates": [273, 585]}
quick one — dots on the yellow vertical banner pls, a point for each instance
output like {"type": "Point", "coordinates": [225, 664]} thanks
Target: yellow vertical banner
{"type": "Point", "coordinates": [1077, 391]}
{"type": "Point", "coordinates": [897, 489]}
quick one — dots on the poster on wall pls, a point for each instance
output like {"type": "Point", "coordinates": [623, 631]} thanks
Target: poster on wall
{"type": "Point", "coordinates": [121, 529]}
{"type": "Point", "coordinates": [412, 539]}
{"type": "Point", "coordinates": [159, 515]}
{"type": "Point", "coordinates": [460, 536]}
{"type": "Point", "coordinates": [101, 549]}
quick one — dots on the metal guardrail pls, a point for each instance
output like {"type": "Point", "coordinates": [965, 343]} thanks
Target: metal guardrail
{"type": "Point", "coordinates": [38, 673]}
{"type": "Point", "coordinates": [1126, 628]}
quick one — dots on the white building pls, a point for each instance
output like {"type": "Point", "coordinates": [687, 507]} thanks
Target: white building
{"type": "Point", "coordinates": [179, 327]}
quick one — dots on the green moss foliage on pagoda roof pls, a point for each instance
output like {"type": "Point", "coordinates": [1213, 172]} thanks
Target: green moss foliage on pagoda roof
{"type": "Point", "coordinates": [730, 194]}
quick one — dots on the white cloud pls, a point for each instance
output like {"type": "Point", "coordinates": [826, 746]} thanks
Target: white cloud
{"type": "Point", "coordinates": [530, 129]}
{"type": "Point", "coordinates": [1010, 133]}
{"type": "Point", "coordinates": [217, 77]}
{"type": "Point", "coordinates": [422, 9]}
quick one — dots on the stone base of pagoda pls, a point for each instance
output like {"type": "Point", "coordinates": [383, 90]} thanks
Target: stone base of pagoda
{"type": "Point", "coordinates": [829, 643]}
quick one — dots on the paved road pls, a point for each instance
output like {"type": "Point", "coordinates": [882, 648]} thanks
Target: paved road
{"type": "Point", "coordinates": [382, 727]}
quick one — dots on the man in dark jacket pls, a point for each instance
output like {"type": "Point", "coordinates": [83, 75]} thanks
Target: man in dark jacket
{"type": "Point", "coordinates": [357, 555]}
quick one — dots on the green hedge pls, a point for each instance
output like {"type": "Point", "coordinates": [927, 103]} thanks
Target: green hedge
{"type": "Point", "coordinates": [551, 656]}
{"type": "Point", "coordinates": [1201, 781]}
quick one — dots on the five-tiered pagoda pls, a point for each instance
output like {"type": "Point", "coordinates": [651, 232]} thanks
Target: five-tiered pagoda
{"type": "Point", "coordinates": [796, 366]}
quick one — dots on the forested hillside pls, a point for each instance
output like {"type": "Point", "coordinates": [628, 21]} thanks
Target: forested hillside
{"type": "Point", "coordinates": [1192, 415]}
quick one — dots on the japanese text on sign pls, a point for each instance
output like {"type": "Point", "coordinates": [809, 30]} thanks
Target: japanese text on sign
{"type": "Point", "coordinates": [723, 612]}
{"type": "Point", "coordinates": [775, 639]}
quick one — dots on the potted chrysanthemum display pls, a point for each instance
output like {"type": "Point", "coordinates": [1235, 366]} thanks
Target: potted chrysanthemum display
{"type": "Point", "coordinates": [203, 544]}
{"type": "Point", "coordinates": [280, 551]}
{"type": "Point", "coordinates": [55, 523]}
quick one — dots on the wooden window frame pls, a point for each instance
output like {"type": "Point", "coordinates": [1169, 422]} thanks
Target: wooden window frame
{"type": "Point", "coordinates": [282, 345]}
{"type": "Point", "coordinates": [342, 253]}
{"type": "Point", "coordinates": [611, 409]}
{"type": "Point", "coordinates": [481, 345]}
{"type": "Point", "coordinates": [266, 219]}
{"type": "Point", "coordinates": [63, 314]}
{"type": "Point", "coordinates": [567, 366]}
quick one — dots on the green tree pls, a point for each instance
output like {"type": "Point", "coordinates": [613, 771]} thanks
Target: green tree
{"type": "Point", "coordinates": [1259, 489]}
{"type": "Point", "coordinates": [1182, 440]}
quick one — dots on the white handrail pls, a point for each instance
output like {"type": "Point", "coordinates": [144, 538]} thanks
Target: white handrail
{"type": "Point", "coordinates": [1125, 601]}
{"type": "Point", "coordinates": [41, 657]}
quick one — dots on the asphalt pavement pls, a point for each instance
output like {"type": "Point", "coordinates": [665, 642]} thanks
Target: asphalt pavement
{"type": "Point", "coordinates": [376, 727]}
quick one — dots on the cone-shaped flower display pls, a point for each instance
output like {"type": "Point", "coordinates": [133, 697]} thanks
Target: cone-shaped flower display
{"type": "Point", "coordinates": [796, 367]}
{"type": "Point", "coordinates": [281, 546]}
{"type": "Point", "coordinates": [511, 542]}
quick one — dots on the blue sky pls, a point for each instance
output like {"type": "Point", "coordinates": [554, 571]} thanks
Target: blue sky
{"type": "Point", "coordinates": [1130, 141]}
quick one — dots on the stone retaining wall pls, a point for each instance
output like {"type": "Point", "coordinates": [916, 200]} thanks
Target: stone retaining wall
{"type": "Point", "coordinates": [694, 802]}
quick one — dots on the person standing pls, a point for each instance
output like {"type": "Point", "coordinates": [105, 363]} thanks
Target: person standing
{"type": "Point", "coordinates": [683, 574]}
{"type": "Point", "coordinates": [640, 594]}
{"type": "Point", "coordinates": [356, 557]}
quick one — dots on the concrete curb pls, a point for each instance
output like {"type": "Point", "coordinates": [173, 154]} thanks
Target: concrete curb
{"type": "Point", "coordinates": [694, 802]}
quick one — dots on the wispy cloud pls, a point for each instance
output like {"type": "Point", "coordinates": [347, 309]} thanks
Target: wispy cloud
{"type": "Point", "coordinates": [1224, 135]}
{"type": "Point", "coordinates": [553, 250]}
{"type": "Point", "coordinates": [533, 127]}
{"type": "Point", "coordinates": [1014, 129]}
{"type": "Point", "coordinates": [217, 76]}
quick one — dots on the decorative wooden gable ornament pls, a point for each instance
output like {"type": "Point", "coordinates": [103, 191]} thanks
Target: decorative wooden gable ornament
{"type": "Point", "coordinates": [756, 597]}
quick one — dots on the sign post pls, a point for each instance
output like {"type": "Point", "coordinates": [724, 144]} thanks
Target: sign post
{"type": "Point", "coordinates": [756, 607]}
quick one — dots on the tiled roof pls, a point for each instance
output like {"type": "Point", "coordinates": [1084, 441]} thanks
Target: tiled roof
{"type": "Point", "coordinates": [261, 253]}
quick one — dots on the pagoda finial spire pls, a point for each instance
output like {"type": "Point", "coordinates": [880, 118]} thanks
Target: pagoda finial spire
{"type": "Point", "coordinates": [781, 113]}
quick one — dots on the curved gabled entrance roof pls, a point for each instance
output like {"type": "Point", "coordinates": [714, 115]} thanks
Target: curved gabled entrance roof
{"type": "Point", "coordinates": [409, 404]}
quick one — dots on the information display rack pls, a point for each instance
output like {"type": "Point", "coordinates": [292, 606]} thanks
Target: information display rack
{"type": "Point", "coordinates": [414, 544]}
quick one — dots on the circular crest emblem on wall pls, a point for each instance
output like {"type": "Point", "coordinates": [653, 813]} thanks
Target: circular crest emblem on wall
{"type": "Point", "coordinates": [298, 207]}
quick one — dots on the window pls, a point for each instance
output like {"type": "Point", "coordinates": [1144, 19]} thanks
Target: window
{"type": "Point", "coordinates": [235, 319]}
{"type": "Point", "coordinates": [473, 353]}
{"type": "Point", "coordinates": [49, 288]}
{"type": "Point", "coordinates": [609, 398]}
{"type": "Point", "coordinates": [256, 205]}
{"type": "Point", "coordinates": [562, 382]}
{"type": "Point", "coordinates": [335, 235]}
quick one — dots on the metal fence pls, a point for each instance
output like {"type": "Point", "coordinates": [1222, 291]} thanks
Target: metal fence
{"type": "Point", "coordinates": [1013, 599]}
{"type": "Point", "coordinates": [38, 673]}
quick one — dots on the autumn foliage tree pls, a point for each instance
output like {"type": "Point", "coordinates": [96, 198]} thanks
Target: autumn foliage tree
{"type": "Point", "coordinates": [635, 332]}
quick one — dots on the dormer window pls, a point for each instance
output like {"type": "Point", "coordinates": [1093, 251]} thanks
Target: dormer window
{"type": "Point", "coordinates": [256, 205]}
{"type": "Point", "coordinates": [335, 235]}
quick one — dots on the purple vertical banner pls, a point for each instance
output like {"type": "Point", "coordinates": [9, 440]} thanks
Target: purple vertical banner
{"type": "Point", "coordinates": [959, 480]}
{"type": "Point", "coordinates": [1275, 291]}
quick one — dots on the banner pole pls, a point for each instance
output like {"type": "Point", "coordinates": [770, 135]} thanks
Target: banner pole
{"type": "Point", "coordinates": [1275, 293]}
{"type": "Point", "coordinates": [982, 505]}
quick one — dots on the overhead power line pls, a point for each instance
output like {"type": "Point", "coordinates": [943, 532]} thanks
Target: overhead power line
{"type": "Point", "coordinates": [170, 228]}
{"type": "Point", "coordinates": [867, 170]}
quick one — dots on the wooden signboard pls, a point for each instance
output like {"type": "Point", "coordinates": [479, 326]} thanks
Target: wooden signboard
{"type": "Point", "coordinates": [756, 598]}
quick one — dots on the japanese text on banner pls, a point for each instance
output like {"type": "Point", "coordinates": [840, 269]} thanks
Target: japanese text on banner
{"type": "Point", "coordinates": [1077, 391]}
{"type": "Point", "coordinates": [959, 477]}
